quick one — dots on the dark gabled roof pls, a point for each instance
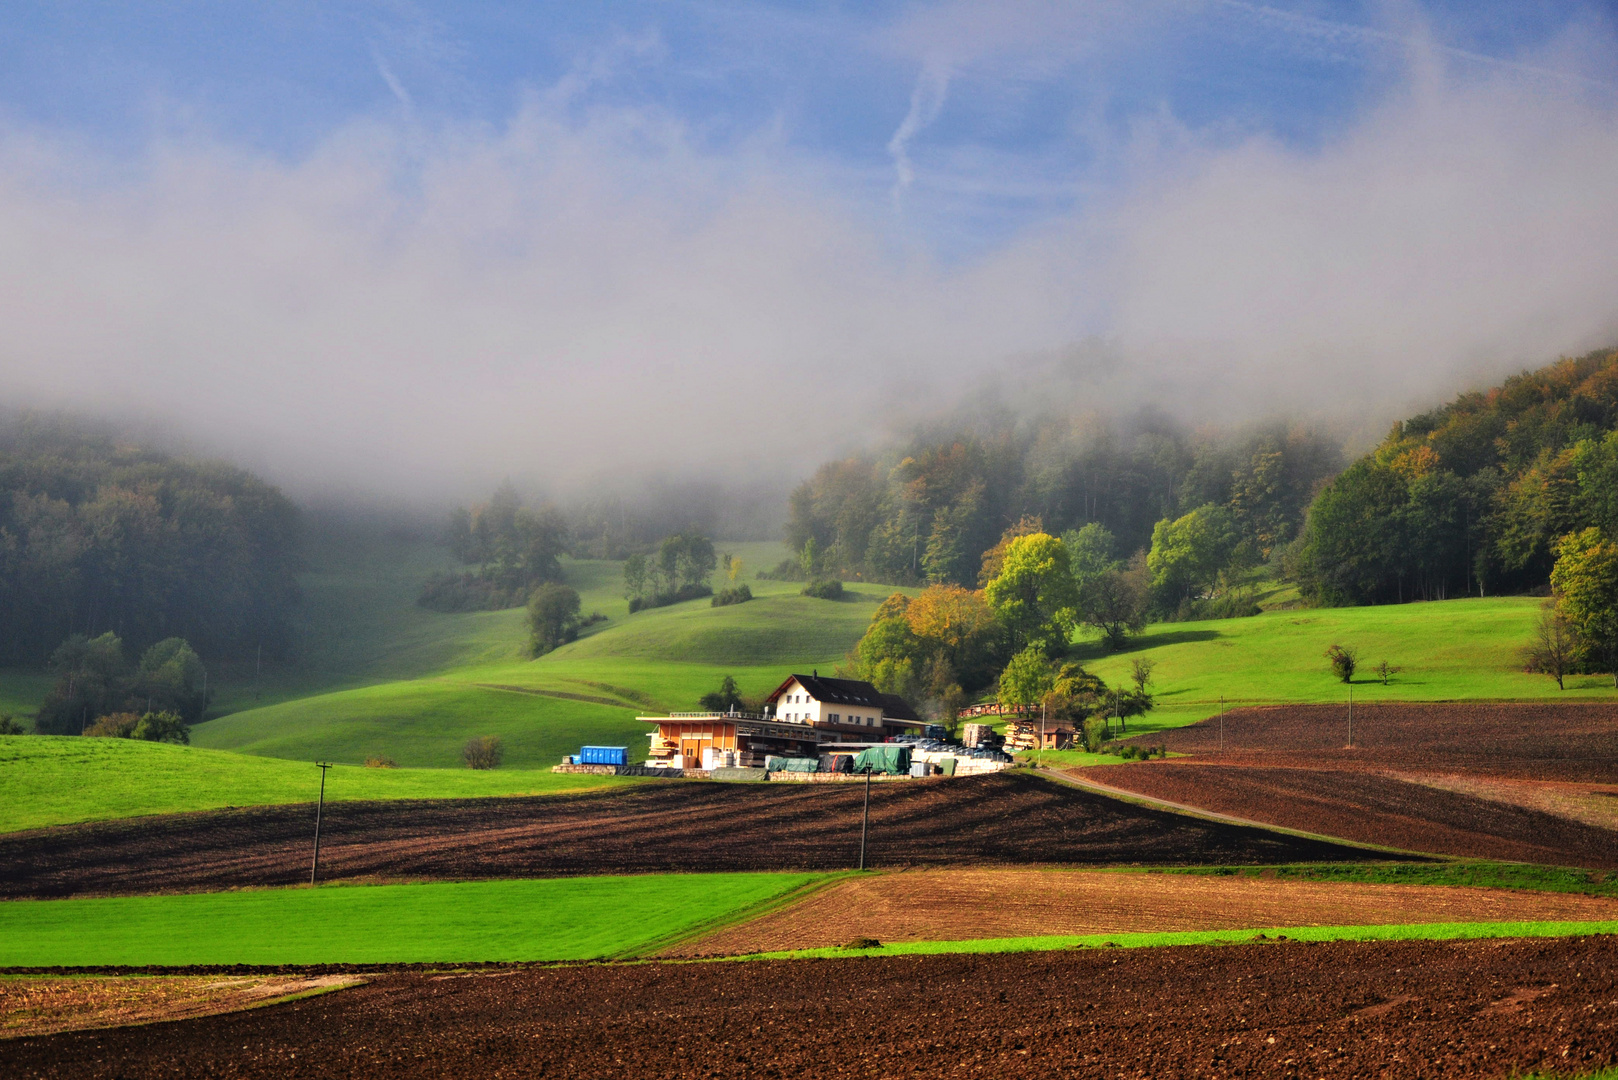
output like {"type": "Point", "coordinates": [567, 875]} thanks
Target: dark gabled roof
{"type": "Point", "coordinates": [895, 707]}
{"type": "Point", "coordinates": [851, 692]}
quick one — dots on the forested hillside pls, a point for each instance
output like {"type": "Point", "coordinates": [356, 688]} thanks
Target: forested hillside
{"type": "Point", "coordinates": [97, 535]}
{"type": "Point", "coordinates": [1474, 496]}
{"type": "Point", "coordinates": [928, 511]}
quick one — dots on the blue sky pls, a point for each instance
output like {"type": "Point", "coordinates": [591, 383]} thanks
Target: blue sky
{"type": "Point", "coordinates": [399, 231]}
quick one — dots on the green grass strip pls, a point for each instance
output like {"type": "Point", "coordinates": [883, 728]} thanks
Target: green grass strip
{"type": "Point", "coordinates": [46, 780]}
{"type": "Point", "coordinates": [1055, 942]}
{"type": "Point", "coordinates": [447, 922]}
{"type": "Point", "coordinates": [1491, 875]}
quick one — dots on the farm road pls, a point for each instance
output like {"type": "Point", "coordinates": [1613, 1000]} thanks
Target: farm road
{"type": "Point", "coordinates": [953, 905]}
{"type": "Point", "coordinates": [1341, 1009]}
{"type": "Point", "coordinates": [1007, 819]}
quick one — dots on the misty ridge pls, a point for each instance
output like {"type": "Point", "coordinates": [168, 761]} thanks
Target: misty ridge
{"type": "Point", "coordinates": [415, 310]}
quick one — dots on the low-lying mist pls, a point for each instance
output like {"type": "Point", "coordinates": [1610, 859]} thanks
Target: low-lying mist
{"type": "Point", "coordinates": [591, 303]}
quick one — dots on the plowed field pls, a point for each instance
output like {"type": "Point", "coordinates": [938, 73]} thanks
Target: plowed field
{"type": "Point", "coordinates": [1567, 743]}
{"type": "Point", "coordinates": [953, 905]}
{"type": "Point", "coordinates": [1520, 782]}
{"type": "Point", "coordinates": [1006, 819]}
{"type": "Point", "coordinates": [45, 1006]}
{"type": "Point", "coordinates": [1394, 1010]}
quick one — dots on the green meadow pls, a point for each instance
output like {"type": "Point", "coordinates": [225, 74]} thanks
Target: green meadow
{"type": "Point", "coordinates": [52, 780]}
{"type": "Point", "coordinates": [451, 922]}
{"type": "Point", "coordinates": [1450, 650]}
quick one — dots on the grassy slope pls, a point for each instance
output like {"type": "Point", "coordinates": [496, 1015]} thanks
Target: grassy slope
{"type": "Point", "coordinates": [1450, 650]}
{"type": "Point", "coordinates": [560, 919]}
{"type": "Point", "coordinates": [56, 781]}
{"type": "Point", "coordinates": [472, 678]}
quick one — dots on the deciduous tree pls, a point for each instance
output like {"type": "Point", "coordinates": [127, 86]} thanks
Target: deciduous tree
{"type": "Point", "coordinates": [1034, 595]}
{"type": "Point", "coordinates": [1585, 579]}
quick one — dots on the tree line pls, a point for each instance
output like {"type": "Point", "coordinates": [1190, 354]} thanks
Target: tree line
{"type": "Point", "coordinates": [100, 536]}
{"type": "Point", "coordinates": [1474, 497]}
{"type": "Point", "coordinates": [924, 512]}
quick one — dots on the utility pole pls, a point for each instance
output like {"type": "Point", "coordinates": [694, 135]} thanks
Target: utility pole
{"type": "Point", "coordinates": [314, 867]}
{"type": "Point", "coordinates": [865, 821]}
{"type": "Point", "coordinates": [1221, 721]}
{"type": "Point", "coordinates": [1351, 717]}
{"type": "Point", "coordinates": [1039, 758]}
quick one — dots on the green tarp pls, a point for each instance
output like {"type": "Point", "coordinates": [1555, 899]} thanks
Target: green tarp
{"type": "Point", "coordinates": [893, 760]}
{"type": "Point", "coordinates": [792, 764]}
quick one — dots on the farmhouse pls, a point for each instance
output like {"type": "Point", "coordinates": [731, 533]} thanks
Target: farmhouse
{"type": "Point", "coordinates": [803, 715]}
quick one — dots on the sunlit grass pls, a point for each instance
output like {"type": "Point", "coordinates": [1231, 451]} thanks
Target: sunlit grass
{"type": "Point", "coordinates": [448, 922]}
{"type": "Point", "coordinates": [54, 780]}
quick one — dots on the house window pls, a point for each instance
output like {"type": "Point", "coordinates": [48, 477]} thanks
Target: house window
{"type": "Point", "coordinates": [831, 718]}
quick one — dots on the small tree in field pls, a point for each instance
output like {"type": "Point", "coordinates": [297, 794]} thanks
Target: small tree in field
{"type": "Point", "coordinates": [1554, 650]}
{"type": "Point", "coordinates": [1140, 673]}
{"type": "Point", "coordinates": [1386, 671]}
{"type": "Point", "coordinates": [483, 752]}
{"type": "Point", "coordinates": [553, 617]}
{"type": "Point", "coordinates": [1344, 661]}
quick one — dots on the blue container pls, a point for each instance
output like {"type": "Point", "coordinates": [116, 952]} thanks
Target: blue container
{"type": "Point", "coordinates": [604, 755]}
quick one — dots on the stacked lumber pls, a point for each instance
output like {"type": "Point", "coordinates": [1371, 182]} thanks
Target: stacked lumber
{"type": "Point", "coordinates": [1022, 734]}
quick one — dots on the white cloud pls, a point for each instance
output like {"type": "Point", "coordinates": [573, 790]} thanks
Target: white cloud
{"type": "Point", "coordinates": [590, 290]}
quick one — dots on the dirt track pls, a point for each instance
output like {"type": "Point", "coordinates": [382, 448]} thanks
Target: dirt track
{"type": "Point", "coordinates": [1519, 782]}
{"type": "Point", "coordinates": [953, 905]}
{"type": "Point", "coordinates": [1002, 820]}
{"type": "Point", "coordinates": [1408, 1009]}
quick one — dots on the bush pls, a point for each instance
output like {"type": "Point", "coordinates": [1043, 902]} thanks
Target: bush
{"type": "Point", "coordinates": [741, 594]}
{"type": "Point", "coordinates": [824, 590]}
{"type": "Point", "coordinates": [1233, 605]}
{"type": "Point", "coordinates": [380, 761]}
{"type": "Point", "coordinates": [1095, 733]}
{"type": "Point", "coordinates": [664, 599]}
{"type": "Point", "coordinates": [1344, 661]}
{"type": "Point", "coordinates": [1134, 752]}
{"type": "Point", "coordinates": [470, 592]}
{"type": "Point", "coordinates": [483, 752]}
{"type": "Point", "coordinates": [163, 727]}
{"type": "Point", "coordinates": [785, 570]}
{"type": "Point", "coordinates": [113, 726]}
{"type": "Point", "coordinates": [8, 726]}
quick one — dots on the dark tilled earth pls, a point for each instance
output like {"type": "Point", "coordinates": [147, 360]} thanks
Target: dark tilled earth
{"type": "Point", "coordinates": [1007, 819]}
{"type": "Point", "coordinates": [1405, 1009]}
{"type": "Point", "coordinates": [1371, 808]}
{"type": "Point", "coordinates": [1574, 743]}
{"type": "Point", "coordinates": [1290, 765]}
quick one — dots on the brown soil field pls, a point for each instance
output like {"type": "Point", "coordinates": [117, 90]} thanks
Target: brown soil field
{"type": "Point", "coordinates": [1575, 743]}
{"type": "Point", "coordinates": [1344, 1009]}
{"type": "Point", "coordinates": [35, 1006]}
{"type": "Point", "coordinates": [1528, 782]}
{"type": "Point", "coordinates": [1370, 808]}
{"type": "Point", "coordinates": [957, 905]}
{"type": "Point", "coordinates": [1006, 819]}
